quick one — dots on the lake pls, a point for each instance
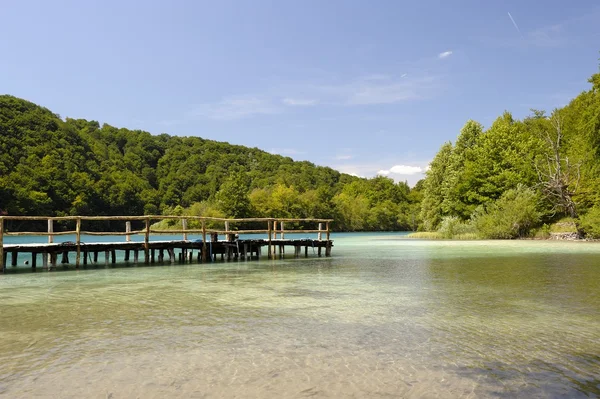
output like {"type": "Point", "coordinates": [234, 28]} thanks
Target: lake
{"type": "Point", "coordinates": [385, 316]}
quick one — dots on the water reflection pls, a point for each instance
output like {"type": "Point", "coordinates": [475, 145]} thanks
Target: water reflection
{"type": "Point", "coordinates": [384, 316]}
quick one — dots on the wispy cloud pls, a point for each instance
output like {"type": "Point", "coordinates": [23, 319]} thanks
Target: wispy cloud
{"type": "Point", "coordinates": [515, 24]}
{"type": "Point", "coordinates": [286, 151]}
{"type": "Point", "coordinates": [405, 170]}
{"type": "Point", "coordinates": [301, 102]}
{"type": "Point", "coordinates": [384, 91]}
{"type": "Point", "coordinates": [235, 108]}
{"type": "Point", "coordinates": [344, 157]}
{"type": "Point", "coordinates": [445, 54]}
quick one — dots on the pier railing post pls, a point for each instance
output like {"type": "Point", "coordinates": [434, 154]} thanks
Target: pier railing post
{"type": "Point", "coordinates": [269, 247]}
{"type": "Point", "coordinates": [184, 227]}
{"type": "Point", "coordinates": [203, 241]}
{"type": "Point", "coordinates": [328, 245]}
{"type": "Point", "coordinates": [319, 236]}
{"type": "Point", "coordinates": [2, 245]}
{"type": "Point", "coordinates": [275, 230]}
{"type": "Point", "coordinates": [226, 230]}
{"type": "Point", "coordinates": [147, 242]}
{"type": "Point", "coordinates": [50, 231]}
{"type": "Point", "coordinates": [128, 230]}
{"type": "Point", "coordinates": [282, 232]}
{"type": "Point", "coordinates": [78, 241]}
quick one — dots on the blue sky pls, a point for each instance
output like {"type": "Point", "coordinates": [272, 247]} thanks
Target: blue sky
{"type": "Point", "coordinates": [361, 86]}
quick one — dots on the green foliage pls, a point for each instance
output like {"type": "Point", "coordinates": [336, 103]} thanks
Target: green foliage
{"type": "Point", "coordinates": [513, 215]}
{"type": "Point", "coordinates": [53, 167]}
{"type": "Point", "coordinates": [590, 222]}
{"type": "Point", "coordinates": [452, 227]}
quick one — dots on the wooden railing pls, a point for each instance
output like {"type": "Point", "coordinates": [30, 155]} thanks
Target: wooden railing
{"type": "Point", "coordinates": [275, 226]}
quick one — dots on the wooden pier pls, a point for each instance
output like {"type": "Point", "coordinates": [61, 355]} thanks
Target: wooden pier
{"type": "Point", "coordinates": [206, 249]}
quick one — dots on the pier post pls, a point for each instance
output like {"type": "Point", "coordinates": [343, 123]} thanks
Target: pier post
{"type": "Point", "coordinates": [282, 232]}
{"type": "Point", "coordinates": [319, 236]}
{"type": "Point", "coordinates": [226, 231]}
{"type": "Point", "coordinates": [184, 227]}
{"type": "Point", "coordinates": [269, 247]}
{"type": "Point", "coordinates": [147, 242]}
{"type": "Point", "coordinates": [275, 230]}
{"type": "Point", "coordinates": [78, 241]}
{"type": "Point", "coordinates": [203, 241]}
{"type": "Point", "coordinates": [2, 264]}
{"type": "Point", "coordinates": [50, 231]}
{"type": "Point", "coordinates": [33, 260]}
{"type": "Point", "coordinates": [128, 236]}
{"type": "Point", "coordinates": [328, 245]}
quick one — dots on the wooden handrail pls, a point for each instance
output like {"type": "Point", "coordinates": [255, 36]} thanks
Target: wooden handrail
{"type": "Point", "coordinates": [147, 231]}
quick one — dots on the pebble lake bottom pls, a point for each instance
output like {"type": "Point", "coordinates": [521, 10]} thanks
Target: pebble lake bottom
{"type": "Point", "coordinates": [385, 316]}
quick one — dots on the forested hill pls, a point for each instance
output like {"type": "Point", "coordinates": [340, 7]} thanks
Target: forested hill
{"type": "Point", "coordinates": [77, 167]}
{"type": "Point", "coordinates": [519, 175]}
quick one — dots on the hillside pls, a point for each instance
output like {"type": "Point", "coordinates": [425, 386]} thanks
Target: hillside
{"type": "Point", "coordinates": [519, 175]}
{"type": "Point", "coordinates": [50, 166]}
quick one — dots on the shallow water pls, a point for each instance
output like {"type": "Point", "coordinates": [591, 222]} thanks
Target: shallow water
{"type": "Point", "coordinates": [385, 316]}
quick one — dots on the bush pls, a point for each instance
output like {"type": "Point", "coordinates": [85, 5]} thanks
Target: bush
{"type": "Point", "coordinates": [451, 227]}
{"type": "Point", "coordinates": [513, 215]}
{"type": "Point", "coordinates": [590, 222]}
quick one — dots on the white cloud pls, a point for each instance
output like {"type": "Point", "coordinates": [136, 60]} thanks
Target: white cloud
{"type": "Point", "coordinates": [285, 151]}
{"type": "Point", "coordinates": [343, 157]}
{"type": "Point", "coordinates": [369, 90]}
{"type": "Point", "coordinates": [445, 54]}
{"type": "Point", "coordinates": [404, 170]}
{"type": "Point", "coordinates": [299, 102]}
{"type": "Point", "coordinates": [235, 108]}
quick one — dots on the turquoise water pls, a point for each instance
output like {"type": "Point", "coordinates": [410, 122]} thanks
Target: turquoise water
{"type": "Point", "coordinates": [385, 316]}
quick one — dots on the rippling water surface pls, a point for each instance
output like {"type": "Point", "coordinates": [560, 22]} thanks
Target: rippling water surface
{"type": "Point", "coordinates": [385, 316]}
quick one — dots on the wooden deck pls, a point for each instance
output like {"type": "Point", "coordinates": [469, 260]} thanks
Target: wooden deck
{"type": "Point", "coordinates": [207, 249]}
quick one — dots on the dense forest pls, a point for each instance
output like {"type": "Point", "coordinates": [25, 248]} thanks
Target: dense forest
{"type": "Point", "coordinates": [513, 179]}
{"type": "Point", "coordinates": [50, 166]}
{"type": "Point", "coordinates": [519, 176]}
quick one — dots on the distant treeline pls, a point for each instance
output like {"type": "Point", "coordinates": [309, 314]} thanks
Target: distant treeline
{"type": "Point", "coordinates": [50, 166]}
{"type": "Point", "coordinates": [519, 176]}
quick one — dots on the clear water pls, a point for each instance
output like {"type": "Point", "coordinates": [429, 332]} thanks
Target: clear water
{"type": "Point", "coordinates": [385, 316]}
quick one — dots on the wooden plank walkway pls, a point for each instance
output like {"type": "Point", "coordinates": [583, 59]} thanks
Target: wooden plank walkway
{"type": "Point", "coordinates": [206, 249]}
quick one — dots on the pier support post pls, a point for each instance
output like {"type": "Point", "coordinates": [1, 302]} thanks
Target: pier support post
{"type": "Point", "coordinates": [95, 256]}
{"type": "Point", "coordinates": [269, 253]}
{"type": "Point", "coordinates": [126, 259]}
{"type": "Point", "coordinates": [135, 256]}
{"type": "Point", "coordinates": [78, 241]}
{"type": "Point", "coordinates": [2, 264]}
{"type": "Point", "coordinates": [147, 242]}
{"type": "Point", "coordinates": [328, 245]}
{"type": "Point", "coordinates": [13, 261]}
{"type": "Point", "coordinates": [33, 261]}
{"type": "Point", "coordinates": [45, 260]}
{"type": "Point", "coordinates": [203, 241]}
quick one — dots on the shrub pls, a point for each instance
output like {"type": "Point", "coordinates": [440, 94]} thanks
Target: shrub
{"type": "Point", "coordinates": [590, 222]}
{"type": "Point", "coordinates": [452, 226]}
{"type": "Point", "coordinates": [513, 215]}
